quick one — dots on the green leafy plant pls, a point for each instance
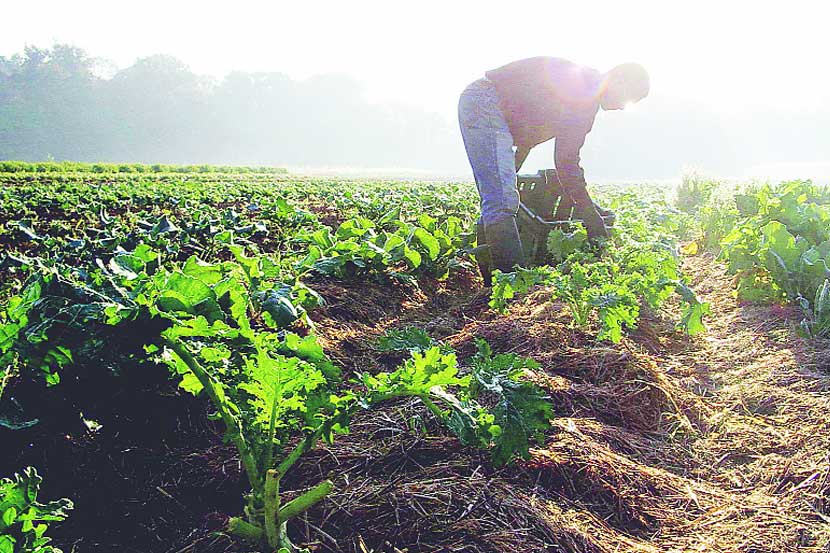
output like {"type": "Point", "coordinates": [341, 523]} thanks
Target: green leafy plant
{"type": "Point", "coordinates": [493, 408]}
{"type": "Point", "coordinates": [780, 249]}
{"type": "Point", "coordinates": [507, 285]}
{"type": "Point", "coordinates": [576, 288]}
{"type": "Point", "coordinates": [521, 413]}
{"type": "Point", "coordinates": [411, 339]}
{"type": "Point", "coordinates": [265, 386]}
{"type": "Point", "coordinates": [594, 288]}
{"type": "Point", "coordinates": [221, 329]}
{"type": "Point", "coordinates": [817, 321]}
{"type": "Point", "coordinates": [23, 520]}
{"type": "Point", "coordinates": [694, 310]}
{"type": "Point", "coordinates": [639, 265]}
{"type": "Point", "coordinates": [694, 191]}
{"type": "Point", "coordinates": [561, 244]}
{"type": "Point", "coordinates": [389, 247]}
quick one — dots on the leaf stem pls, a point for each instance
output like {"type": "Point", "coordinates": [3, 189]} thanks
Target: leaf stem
{"type": "Point", "coordinates": [232, 424]}
{"type": "Point", "coordinates": [245, 530]}
{"type": "Point", "coordinates": [305, 444]}
{"type": "Point", "coordinates": [7, 373]}
{"type": "Point", "coordinates": [432, 407]}
{"type": "Point", "coordinates": [306, 501]}
{"type": "Point", "coordinates": [272, 431]}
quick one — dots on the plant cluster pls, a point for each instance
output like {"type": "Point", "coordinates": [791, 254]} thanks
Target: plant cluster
{"type": "Point", "coordinates": [221, 329]}
{"type": "Point", "coordinates": [24, 521]}
{"type": "Point", "coordinates": [212, 276]}
{"type": "Point", "coordinates": [779, 248]}
{"type": "Point", "coordinates": [640, 264]}
{"type": "Point", "coordinates": [390, 247]}
{"type": "Point", "coordinates": [208, 282]}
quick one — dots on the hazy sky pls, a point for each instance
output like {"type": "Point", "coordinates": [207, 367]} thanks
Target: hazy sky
{"type": "Point", "coordinates": [737, 62]}
{"type": "Point", "coordinates": [724, 53]}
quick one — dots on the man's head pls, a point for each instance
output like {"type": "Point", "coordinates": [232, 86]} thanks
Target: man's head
{"type": "Point", "coordinates": [623, 85]}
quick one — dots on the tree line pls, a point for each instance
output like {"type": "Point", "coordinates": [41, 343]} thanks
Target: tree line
{"type": "Point", "coordinates": [55, 105]}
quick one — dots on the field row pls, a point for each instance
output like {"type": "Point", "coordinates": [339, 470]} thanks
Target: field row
{"type": "Point", "coordinates": [214, 277]}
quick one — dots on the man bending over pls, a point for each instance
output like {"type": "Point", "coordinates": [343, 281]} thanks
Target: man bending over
{"type": "Point", "coordinates": [523, 104]}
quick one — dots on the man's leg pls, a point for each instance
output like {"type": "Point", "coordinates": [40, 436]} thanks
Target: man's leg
{"type": "Point", "coordinates": [489, 146]}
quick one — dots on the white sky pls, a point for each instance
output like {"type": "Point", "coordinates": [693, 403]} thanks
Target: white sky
{"type": "Point", "coordinates": [724, 53]}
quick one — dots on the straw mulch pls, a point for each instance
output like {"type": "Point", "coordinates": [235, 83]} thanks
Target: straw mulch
{"type": "Point", "coordinates": [661, 443]}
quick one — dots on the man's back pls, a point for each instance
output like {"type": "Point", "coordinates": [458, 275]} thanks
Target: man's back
{"type": "Point", "coordinates": [546, 97]}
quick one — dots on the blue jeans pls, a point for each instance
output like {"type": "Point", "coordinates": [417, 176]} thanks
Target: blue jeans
{"type": "Point", "coordinates": [489, 146]}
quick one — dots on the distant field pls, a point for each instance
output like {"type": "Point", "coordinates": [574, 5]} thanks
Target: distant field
{"type": "Point", "coordinates": [76, 167]}
{"type": "Point", "coordinates": [227, 359]}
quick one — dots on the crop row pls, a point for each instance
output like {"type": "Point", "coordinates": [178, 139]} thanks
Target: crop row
{"type": "Point", "coordinates": [775, 239]}
{"type": "Point", "coordinates": [214, 278]}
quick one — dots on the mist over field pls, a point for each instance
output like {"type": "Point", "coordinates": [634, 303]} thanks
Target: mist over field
{"type": "Point", "coordinates": [64, 103]}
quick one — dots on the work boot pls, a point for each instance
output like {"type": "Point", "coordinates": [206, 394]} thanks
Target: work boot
{"type": "Point", "coordinates": [482, 254]}
{"type": "Point", "coordinates": [505, 245]}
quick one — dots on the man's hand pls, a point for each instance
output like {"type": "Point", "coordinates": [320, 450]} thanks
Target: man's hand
{"type": "Point", "coordinates": [572, 180]}
{"type": "Point", "coordinates": [593, 221]}
{"type": "Point", "coordinates": [608, 216]}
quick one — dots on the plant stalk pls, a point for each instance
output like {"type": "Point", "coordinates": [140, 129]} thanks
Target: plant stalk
{"type": "Point", "coordinates": [245, 530]}
{"type": "Point", "coordinates": [272, 506]}
{"type": "Point", "coordinates": [432, 407]}
{"type": "Point", "coordinates": [306, 444]}
{"type": "Point", "coordinates": [272, 431]}
{"type": "Point", "coordinates": [7, 373]}
{"type": "Point", "coordinates": [304, 502]}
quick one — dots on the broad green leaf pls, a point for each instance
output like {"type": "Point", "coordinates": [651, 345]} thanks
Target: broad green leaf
{"type": "Point", "coordinates": [783, 245]}
{"type": "Point", "coordinates": [428, 241]}
{"type": "Point", "coordinates": [692, 318]}
{"type": "Point", "coordinates": [171, 301]}
{"type": "Point", "coordinates": [522, 412]}
{"type": "Point", "coordinates": [126, 265]}
{"type": "Point", "coordinates": [164, 226]}
{"type": "Point", "coordinates": [190, 383]}
{"type": "Point", "coordinates": [413, 258]}
{"type": "Point", "coordinates": [310, 350]}
{"type": "Point", "coordinates": [561, 244]}
{"type": "Point", "coordinates": [251, 265]}
{"type": "Point", "coordinates": [276, 302]}
{"type": "Point", "coordinates": [207, 273]}
{"type": "Point", "coordinates": [190, 289]}
{"type": "Point", "coordinates": [145, 253]}
{"type": "Point", "coordinates": [747, 204]}
{"type": "Point", "coordinates": [9, 516]}
{"type": "Point", "coordinates": [393, 242]}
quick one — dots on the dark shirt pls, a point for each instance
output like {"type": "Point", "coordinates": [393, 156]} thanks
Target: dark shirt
{"type": "Point", "coordinates": [544, 98]}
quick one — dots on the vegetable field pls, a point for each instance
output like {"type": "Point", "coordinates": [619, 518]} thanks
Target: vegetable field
{"type": "Point", "coordinates": [213, 360]}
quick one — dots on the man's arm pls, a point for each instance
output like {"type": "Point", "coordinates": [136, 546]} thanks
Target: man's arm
{"type": "Point", "coordinates": [572, 178]}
